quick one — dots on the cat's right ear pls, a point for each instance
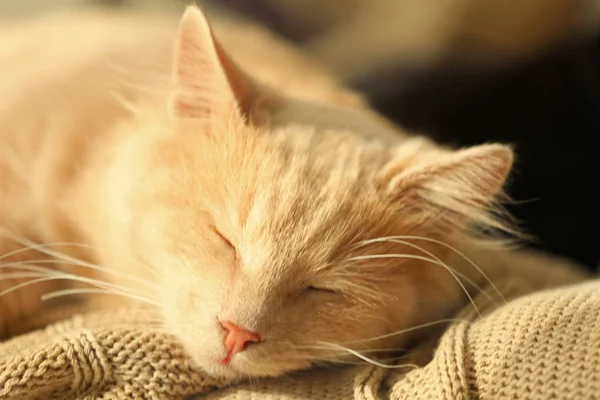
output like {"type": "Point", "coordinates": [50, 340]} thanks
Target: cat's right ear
{"type": "Point", "coordinates": [207, 82]}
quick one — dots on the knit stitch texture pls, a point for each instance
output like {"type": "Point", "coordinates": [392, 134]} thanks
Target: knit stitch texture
{"type": "Point", "coordinates": [541, 345]}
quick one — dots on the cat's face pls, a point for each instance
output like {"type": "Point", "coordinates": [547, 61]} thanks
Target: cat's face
{"type": "Point", "coordinates": [266, 229]}
{"type": "Point", "coordinates": [257, 229]}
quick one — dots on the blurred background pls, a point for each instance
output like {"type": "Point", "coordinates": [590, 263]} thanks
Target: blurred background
{"type": "Point", "coordinates": [463, 72]}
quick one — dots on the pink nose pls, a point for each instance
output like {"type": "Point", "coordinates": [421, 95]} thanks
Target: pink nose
{"type": "Point", "coordinates": [236, 340]}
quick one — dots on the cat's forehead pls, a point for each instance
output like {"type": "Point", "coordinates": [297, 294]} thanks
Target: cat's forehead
{"type": "Point", "coordinates": [313, 204]}
{"type": "Point", "coordinates": [311, 167]}
{"type": "Point", "coordinates": [287, 188]}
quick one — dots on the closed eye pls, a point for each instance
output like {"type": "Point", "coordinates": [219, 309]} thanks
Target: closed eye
{"type": "Point", "coordinates": [225, 240]}
{"type": "Point", "coordinates": [321, 289]}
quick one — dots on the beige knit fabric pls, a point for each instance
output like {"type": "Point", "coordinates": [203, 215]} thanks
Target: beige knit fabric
{"type": "Point", "coordinates": [539, 346]}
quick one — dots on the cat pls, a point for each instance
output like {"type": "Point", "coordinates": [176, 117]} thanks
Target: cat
{"type": "Point", "coordinates": [269, 217]}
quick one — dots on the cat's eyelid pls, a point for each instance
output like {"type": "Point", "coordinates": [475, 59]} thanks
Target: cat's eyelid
{"type": "Point", "coordinates": [222, 236]}
{"type": "Point", "coordinates": [322, 289]}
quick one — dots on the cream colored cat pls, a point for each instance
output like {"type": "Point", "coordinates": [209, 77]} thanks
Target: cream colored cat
{"type": "Point", "coordinates": [265, 212]}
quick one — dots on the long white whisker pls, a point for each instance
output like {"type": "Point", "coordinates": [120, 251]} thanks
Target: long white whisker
{"type": "Point", "coordinates": [440, 262]}
{"type": "Point", "coordinates": [68, 292]}
{"type": "Point", "coordinates": [36, 262]}
{"type": "Point", "coordinates": [25, 284]}
{"type": "Point", "coordinates": [61, 256]}
{"type": "Point", "coordinates": [389, 350]}
{"type": "Point", "coordinates": [476, 287]}
{"type": "Point", "coordinates": [407, 330]}
{"type": "Point", "coordinates": [63, 275]}
{"type": "Point", "coordinates": [21, 275]}
{"type": "Point", "coordinates": [421, 258]}
{"type": "Point", "coordinates": [38, 246]}
{"type": "Point", "coordinates": [49, 275]}
{"type": "Point", "coordinates": [337, 361]}
{"type": "Point", "coordinates": [369, 360]}
{"type": "Point", "coordinates": [446, 245]}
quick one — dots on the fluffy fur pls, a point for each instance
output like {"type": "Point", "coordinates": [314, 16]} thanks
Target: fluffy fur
{"type": "Point", "coordinates": [229, 181]}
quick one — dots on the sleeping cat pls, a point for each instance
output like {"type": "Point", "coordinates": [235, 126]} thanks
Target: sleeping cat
{"type": "Point", "coordinates": [271, 219]}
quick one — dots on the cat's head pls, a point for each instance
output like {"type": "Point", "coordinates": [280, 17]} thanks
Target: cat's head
{"type": "Point", "coordinates": [272, 241]}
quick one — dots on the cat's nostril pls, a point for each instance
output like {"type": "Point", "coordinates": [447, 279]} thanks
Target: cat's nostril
{"type": "Point", "coordinates": [236, 339]}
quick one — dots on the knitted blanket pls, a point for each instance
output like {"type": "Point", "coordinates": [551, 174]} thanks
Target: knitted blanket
{"type": "Point", "coordinates": [545, 344]}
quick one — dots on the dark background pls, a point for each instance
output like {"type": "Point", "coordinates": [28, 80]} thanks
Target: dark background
{"type": "Point", "coordinates": [548, 107]}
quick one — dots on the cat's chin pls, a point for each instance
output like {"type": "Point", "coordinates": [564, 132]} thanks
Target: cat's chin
{"type": "Point", "coordinates": [211, 365]}
{"type": "Point", "coordinates": [234, 373]}
{"type": "Point", "coordinates": [221, 372]}
{"type": "Point", "coordinates": [240, 369]}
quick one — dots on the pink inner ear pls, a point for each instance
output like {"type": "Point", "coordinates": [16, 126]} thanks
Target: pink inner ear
{"type": "Point", "coordinates": [202, 85]}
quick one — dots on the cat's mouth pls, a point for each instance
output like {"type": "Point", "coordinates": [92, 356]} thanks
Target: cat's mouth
{"type": "Point", "coordinates": [227, 371]}
{"type": "Point", "coordinates": [224, 364]}
{"type": "Point", "coordinates": [250, 364]}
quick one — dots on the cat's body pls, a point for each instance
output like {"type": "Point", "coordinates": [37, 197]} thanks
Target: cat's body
{"type": "Point", "coordinates": [273, 224]}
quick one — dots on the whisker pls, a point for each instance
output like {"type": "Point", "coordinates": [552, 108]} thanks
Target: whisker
{"type": "Point", "coordinates": [479, 289]}
{"type": "Point", "coordinates": [446, 245]}
{"type": "Point", "coordinates": [421, 258]}
{"type": "Point", "coordinates": [48, 275]}
{"type": "Point", "coordinates": [36, 262]}
{"type": "Point", "coordinates": [430, 254]}
{"type": "Point", "coordinates": [76, 262]}
{"type": "Point", "coordinates": [21, 275]}
{"type": "Point", "coordinates": [64, 275]}
{"type": "Point", "coordinates": [346, 362]}
{"type": "Point", "coordinates": [407, 330]}
{"type": "Point", "coordinates": [37, 246]}
{"type": "Point", "coordinates": [370, 360]}
{"type": "Point", "coordinates": [25, 284]}
{"type": "Point", "coordinates": [338, 352]}
{"type": "Point", "coordinates": [69, 292]}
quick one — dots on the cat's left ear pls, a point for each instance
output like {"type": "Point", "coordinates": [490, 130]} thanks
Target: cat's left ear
{"type": "Point", "coordinates": [446, 188]}
{"type": "Point", "coordinates": [207, 81]}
